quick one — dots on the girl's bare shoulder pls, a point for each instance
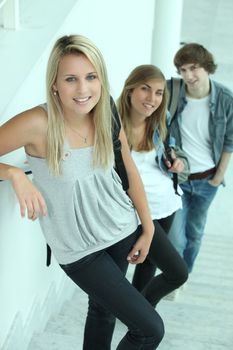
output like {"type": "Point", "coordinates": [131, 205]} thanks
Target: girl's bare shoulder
{"type": "Point", "coordinates": [23, 129]}
{"type": "Point", "coordinates": [36, 118]}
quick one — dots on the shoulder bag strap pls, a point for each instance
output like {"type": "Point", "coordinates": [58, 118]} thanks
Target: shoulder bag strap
{"type": "Point", "coordinates": [174, 95]}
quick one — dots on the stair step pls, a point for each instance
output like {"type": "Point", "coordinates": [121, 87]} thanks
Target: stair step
{"type": "Point", "coordinates": [54, 341]}
{"type": "Point", "coordinates": [66, 325]}
{"type": "Point", "coordinates": [190, 327]}
{"type": "Point", "coordinates": [198, 294]}
{"type": "Point", "coordinates": [205, 323]}
{"type": "Point", "coordinates": [172, 342]}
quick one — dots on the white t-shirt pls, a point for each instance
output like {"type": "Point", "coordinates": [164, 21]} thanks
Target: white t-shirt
{"type": "Point", "coordinates": [195, 134]}
{"type": "Point", "coordinates": [158, 186]}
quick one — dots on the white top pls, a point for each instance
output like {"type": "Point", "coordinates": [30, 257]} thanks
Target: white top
{"type": "Point", "coordinates": [195, 134]}
{"type": "Point", "coordinates": [88, 210]}
{"type": "Point", "coordinates": [158, 186]}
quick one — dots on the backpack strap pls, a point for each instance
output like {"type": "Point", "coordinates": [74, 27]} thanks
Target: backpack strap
{"type": "Point", "coordinates": [175, 183]}
{"type": "Point", "coordinates": [172, 107]}
{"type": "Point", "coordinates": [119, 163]}
{"type": "Point", "coordinates": [116, 124]}
{"type": "Point", "coordinates": [174, 96]}
{"type": "Point", "coordinates": [48, 256]}
{"type": "Point", "coordinates": [167, 156]}
{"type": "Point", "coordinates": [120, 166]}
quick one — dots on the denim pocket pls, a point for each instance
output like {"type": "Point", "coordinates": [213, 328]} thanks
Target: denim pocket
{"type": "Point", "coordinates": [212, 186]}
{"type": "Point", "coordinates": [207, 181]}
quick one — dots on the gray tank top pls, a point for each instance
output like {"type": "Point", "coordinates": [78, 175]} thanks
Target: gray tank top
{"type": "Point", "coordinates": [87, 208]}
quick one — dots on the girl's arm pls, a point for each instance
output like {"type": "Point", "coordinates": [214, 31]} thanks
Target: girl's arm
{"type": "Point", "coordinates": [22, 131]}
{"type": "Point", "coordinates": [137, 194]}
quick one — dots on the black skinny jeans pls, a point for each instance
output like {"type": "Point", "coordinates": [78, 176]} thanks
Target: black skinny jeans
{"type": "Point", "coordinates": [102, 276]}
{"type": "Point", "coordinates": [163, 255]}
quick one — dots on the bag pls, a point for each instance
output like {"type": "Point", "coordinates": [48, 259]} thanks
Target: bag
{"type": "Point", "coordinates": [119, 163]}
{"type": "Point", "coordinates": [177, 178]}
{"type": "Point", "coordinates": [183, 175]}
{"type": "Point", "coordinates": [174, 92]}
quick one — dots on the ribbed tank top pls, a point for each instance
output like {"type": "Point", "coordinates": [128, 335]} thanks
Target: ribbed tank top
{"type": "Point", "coordinates": [87, 208]}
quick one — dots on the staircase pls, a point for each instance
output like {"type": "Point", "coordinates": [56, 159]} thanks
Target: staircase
{"type": "Point", "coordinates": [200, 318]}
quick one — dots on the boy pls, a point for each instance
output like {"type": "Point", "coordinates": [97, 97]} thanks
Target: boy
{"type": "Point", "coordinates": [203, 128]}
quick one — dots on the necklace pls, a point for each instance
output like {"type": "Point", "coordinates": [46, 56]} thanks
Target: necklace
{"type": "Point", "coordinates": [82, 137]}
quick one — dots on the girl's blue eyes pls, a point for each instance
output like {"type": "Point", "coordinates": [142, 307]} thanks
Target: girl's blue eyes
{"type": "Point", "coordinates": [91, 77]}
{"type": "Point", "coordinates": [88, 77]}
{"type": "Point", "coordinates": [70, 79]}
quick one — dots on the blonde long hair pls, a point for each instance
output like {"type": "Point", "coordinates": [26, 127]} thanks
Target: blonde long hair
{"type": "Point", "coordinates": [141, 75]}
{"type": "Point", "coordinates": [103, 149]}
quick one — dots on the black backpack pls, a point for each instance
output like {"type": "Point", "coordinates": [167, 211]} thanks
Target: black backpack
{"type": "Point", "coordinates": [174, 91]}
{"type": "Point", "coordinates": [119, 163]}
{"type": "Point", "coordinates": [174, 87]}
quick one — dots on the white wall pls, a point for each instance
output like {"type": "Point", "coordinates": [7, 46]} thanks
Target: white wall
{"type": "Point", "coordinates": [123, 32]}
{"type": "Point", "coordinates": [166, 41]}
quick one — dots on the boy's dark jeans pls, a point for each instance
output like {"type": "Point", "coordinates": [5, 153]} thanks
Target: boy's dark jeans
{"type": "Point", "coordinates": [102, 276]}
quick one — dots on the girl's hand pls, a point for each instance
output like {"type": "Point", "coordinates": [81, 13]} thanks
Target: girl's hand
{"type": "Point", "coordinates": [140, 250]}
{"type": "Point", "coordinates": [30, 199]}
{"type": "Point", "coordinates": [177, 166]}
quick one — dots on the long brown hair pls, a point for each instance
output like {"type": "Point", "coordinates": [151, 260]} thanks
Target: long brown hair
{"type": "Point", "coordinates": [141, 75]}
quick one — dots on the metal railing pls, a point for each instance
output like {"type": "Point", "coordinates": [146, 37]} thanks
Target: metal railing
{"type": "Point", "coordinates": [10, 10]}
